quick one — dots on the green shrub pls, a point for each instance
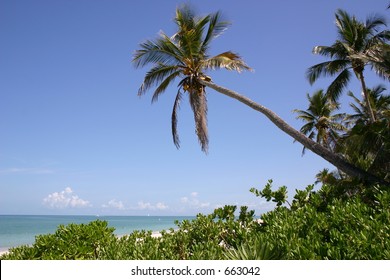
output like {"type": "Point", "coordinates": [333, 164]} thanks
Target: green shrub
{"type": "Point", "coordinates": [73, 241]}
{"type": "Point", "coordinates": [339, 229]}
{"type": "Point", "coordinates": [254, 248]}
{"type": "Point", "coordinates": [315, 225]}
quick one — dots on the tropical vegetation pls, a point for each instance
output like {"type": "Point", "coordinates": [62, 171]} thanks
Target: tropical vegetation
{"type": "Point", "coordinates": [314, 225]}
{"type": "Point", "coordinates": [346, 217]}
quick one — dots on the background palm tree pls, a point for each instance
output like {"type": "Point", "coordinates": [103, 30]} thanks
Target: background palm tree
{"type": "Point", "coordinates": [379, 101]}
{"type": "Point", "coordinates": [365, 144]}
{"type": "Point", "coordinates": [334, 158]}
{"type": "Point", "coordinates": [368, 143]}
{"type": "Point", "coordinates": [327, 177]}
{"type": "Point", "coordinates": [321, 124]}
{"type": "Point", "coordinates": [353, 50]}
{"type": "Point", "coordinates": [185, 56]}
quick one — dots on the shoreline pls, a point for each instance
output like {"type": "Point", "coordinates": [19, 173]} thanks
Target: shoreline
{"type": "Point", "coordinates": [4, 251]}
{"type": "Point", "coordinates": [155, 234]}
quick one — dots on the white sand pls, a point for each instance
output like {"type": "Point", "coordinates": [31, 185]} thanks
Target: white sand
{"type": "Point", "coordinates": [3, 251]}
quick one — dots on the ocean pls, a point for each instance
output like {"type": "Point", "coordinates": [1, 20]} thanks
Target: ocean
{"type": "Point", "coordinates": [16, 230]}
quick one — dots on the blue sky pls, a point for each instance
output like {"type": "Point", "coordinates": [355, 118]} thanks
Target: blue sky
{"type": "Point", "coordinates": [76, 139]}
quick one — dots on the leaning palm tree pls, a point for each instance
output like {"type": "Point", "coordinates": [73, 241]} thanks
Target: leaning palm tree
{"type": "Point", "coordinates": [185, 55]}
{"type": "Point", "coordinates": [358, 45]}
{"type": "Point", "coordinates": [321, 124]}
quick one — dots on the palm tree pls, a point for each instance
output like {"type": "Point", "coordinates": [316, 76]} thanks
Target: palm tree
{"type": "Point", "coordinates": [369, 143]}
{"type": "Point", "coordinates": [327, 177]}
{"type": "Point", "coordinates": [308, 143]}
{"type": "Point", "coordinates": [355, 48]}
{"type": "Point", "coordinates": [185, 56]}
{"type": "Point", "coordinates": [380, 104]}
{"type": "Point", "coordinates": [321, 123]}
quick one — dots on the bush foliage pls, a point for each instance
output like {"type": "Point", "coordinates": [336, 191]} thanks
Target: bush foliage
{"type": "Point", "coordinates": [313, 226]}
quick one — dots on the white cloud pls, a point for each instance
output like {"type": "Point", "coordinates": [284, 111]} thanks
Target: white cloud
{"type": "Point", "coordinates": [193, 201]}
{"type": "Point", "coordinates": [113, 203]}
{"type": "Point", "coordinates": [204, 204]}
{"type": "Point", "coordinates": [144, 205]}
{"type": "Point", "coordinates": [33, 171]}
{"type": "Point", "coordinates": [65, 199]}
{"type": "Point", "coordinates": [161, 206]}
{"type": "Point", "coordinates": [149, 206]}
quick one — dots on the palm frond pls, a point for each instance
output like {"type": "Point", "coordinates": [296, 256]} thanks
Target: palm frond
{"type": "Point", "coordinates": [216, 27]}
{"type": "Point", "coordinates": [373, 21]}
{"type": "Point", "coordinates": [308, 128]}
{"type": "Point", "coordinates": [338, 117]}
{"type": "Point", "coordinates": [198, 103]}
{"type": "Point", "coordinates": [185, 18]}
{"type": "Point", "coordinates": [328, 68]}
{"type": "Point", "coordinates": [379, 102]}
{"type": "Point", "coordinates": [191, 29]}
{"type": "Point", "coordinates": [382, 37]}
{"type": "Point", "coordinates": [337, 50]}
{"type": "Point", "coordinates": [162, 51]}
{"type": "Point", "coordinates": [226, 60]}
{"type": "Point", "coordinates": [176, 107]}
{"type": "Point", "coordinates": [347, 27]}
{"type": "Point", "coordinates": [379, 59]}
{"type": "Point", "coordinates": [155, 75]}
{"type": "Point", "coordinates": [304, 115]}
{"type": "Point", "coordinates": [338, 85]}
{"type": "Point", "coordinates": [164, 84]}
{"type": "Point", "coordinates": [190, 43]}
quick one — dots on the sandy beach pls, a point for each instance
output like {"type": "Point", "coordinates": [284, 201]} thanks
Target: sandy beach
{"type": "Point", "coordinates": [3, 251]}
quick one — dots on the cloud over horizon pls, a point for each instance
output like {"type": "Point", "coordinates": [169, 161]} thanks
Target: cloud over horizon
{"type": "Point", "coordinates": [65, 199]}
{"type": "Point", "coordinates": [149, 206]}
{"type": "Point", "coordinates": [113, 203]}
{"type": "Point", "coordinates": [141, 205]}
{"type": "Point", "coordinates": [193, 201]}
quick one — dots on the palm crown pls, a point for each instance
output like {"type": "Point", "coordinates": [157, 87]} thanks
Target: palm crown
{"type": "Point", "coordinates": [321, 123]}
{"type": "Point", "coordinates": [185, 56]}
{"type": "Point", "coordinates": [380, 104]}
{"type": "Point", "coordinates": [358, 45]}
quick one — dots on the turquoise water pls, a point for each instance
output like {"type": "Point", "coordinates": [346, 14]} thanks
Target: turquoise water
{"type": "Point", "coordinates": [16, 230]}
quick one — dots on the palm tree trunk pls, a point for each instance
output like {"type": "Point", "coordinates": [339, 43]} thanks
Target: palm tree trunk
{"type": "Point", "coordinates": [366, 96]}
{"type": "Point", "coordinates": [326, 154]}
